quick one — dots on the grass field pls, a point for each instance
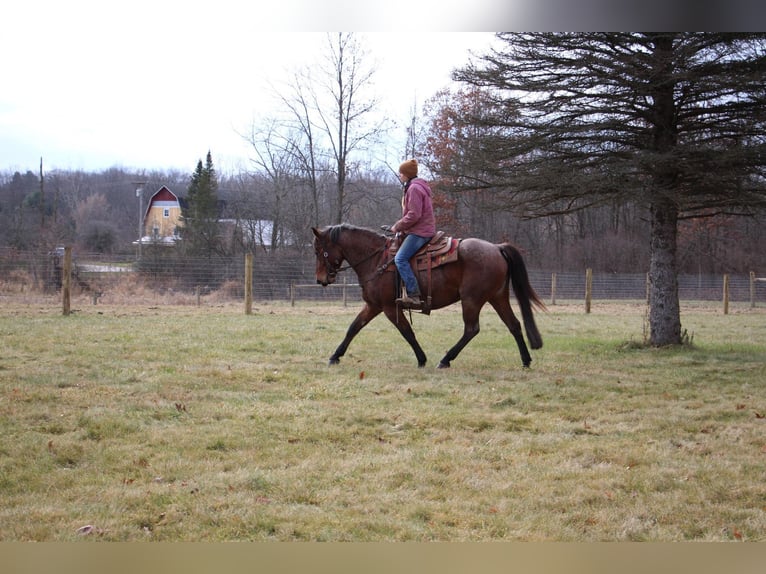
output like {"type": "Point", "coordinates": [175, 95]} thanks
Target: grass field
{"type": "Point", "coordinates": [205, 424]}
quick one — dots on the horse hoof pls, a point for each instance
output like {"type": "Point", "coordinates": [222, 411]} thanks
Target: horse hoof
{"type": "Point", "coordinates": [421, 365]}
{"type": "Point", "coordinates": [443, 365]}
{"type": "Point", "coordinates": [334, 362]}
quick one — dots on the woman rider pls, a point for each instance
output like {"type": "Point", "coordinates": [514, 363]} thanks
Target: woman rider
{"type": "Point", "coordinates": [417, 224]}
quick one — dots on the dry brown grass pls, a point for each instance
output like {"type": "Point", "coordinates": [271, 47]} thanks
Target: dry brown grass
{"type": "Point", "coordinates": [153, 422]}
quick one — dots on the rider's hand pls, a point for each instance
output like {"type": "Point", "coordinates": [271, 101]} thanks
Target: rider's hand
{"type": "Point", "coordinates": [386, 228]}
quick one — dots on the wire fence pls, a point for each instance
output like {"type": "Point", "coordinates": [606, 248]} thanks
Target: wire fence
{"type": "Point", "coordinates": [164, 277]}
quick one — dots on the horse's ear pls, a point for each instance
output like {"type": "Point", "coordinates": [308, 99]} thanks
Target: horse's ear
{"type": "Point", "coordinates": [316, 231]}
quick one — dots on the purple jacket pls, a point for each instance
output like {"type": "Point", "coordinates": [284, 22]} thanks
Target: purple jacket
{"type": "Point", "coordinates": [417, 210]}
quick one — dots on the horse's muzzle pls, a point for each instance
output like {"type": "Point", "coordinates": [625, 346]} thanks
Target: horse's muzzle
{"type": "Point", "coordinates": [326, 280]}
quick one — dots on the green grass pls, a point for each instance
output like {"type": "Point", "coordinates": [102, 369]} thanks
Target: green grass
{"type": "Point", "coordinates": [186, 423]}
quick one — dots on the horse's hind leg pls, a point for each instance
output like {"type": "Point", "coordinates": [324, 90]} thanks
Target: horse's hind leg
{"type": "Point", "coordinates": [470, 330]}
{"type": "Point", "coordinates": [366, 315]}
{"type": "Point", "coordinates": [396, 316]}
{"type": "Point", "coordinates": [503, 307]}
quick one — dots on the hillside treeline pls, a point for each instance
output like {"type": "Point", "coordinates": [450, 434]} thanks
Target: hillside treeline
{"type": "Point", "coordinates": [622, 152]}
{"type": "Point", "coordinates": [99, 211]}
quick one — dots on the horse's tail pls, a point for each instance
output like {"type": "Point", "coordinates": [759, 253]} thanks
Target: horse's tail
{"type": "Point", "coordinates": [525, 294]}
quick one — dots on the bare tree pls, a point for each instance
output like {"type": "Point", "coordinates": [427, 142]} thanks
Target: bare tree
{"type": "Point", "coordinates": [346, 77]}
{"type": "Point", "coordinates": [302, 137]}
{"type": "Point", "coordinates": [332, 106]}
{"type": "Point", "coordinates": [416, 134]}
{"type": "Point", "coordinates": [276, 159]}
{"type": "Point", "coordinates": [326, 121]}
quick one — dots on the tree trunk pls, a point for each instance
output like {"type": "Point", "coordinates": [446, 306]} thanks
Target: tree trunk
{"type": "Point", "coordinates": [341, 189]}
{"type": "Point", "coordinates": [664, 308]}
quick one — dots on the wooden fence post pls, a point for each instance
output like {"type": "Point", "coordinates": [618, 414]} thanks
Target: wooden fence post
{"type": "Point", "coordinates": [588, 288]}
{"type": "Point", "coordinates": [648, 289]}
{"type": "Point", "coordinates": [726, 294]}
{"type": "Point", "coordinates": [553, 288]}
{"type": "Point", "coordinates": [292, 294]}
{"type": "Point", "coordinates": [248, 283]}
{"type": "Point", "coordinates": [66, 280]}
{"type": "Point", "coordinates": [752, 289]}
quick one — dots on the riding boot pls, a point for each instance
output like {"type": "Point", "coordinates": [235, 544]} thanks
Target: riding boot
{"type": "Point", "coordinates": [410, 301]}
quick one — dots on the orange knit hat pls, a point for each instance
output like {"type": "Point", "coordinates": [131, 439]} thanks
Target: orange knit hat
{"type": "Point", "coordinates": [409, 168]}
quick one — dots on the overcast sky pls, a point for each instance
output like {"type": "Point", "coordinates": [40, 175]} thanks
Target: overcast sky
{"type": "Point", "coordinates": [87, 85]}
{"type": "Point", "coordinates": [155, 84]}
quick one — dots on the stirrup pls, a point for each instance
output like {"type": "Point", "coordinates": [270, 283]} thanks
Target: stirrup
{"type": "Point", "coordinates": [410, 303]}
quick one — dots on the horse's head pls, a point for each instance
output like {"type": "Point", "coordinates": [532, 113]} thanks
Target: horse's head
{"type": "Point", "coordinates": [329, 256]}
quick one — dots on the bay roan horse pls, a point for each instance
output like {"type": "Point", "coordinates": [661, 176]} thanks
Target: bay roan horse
{"type": "Point", "coordinates": [481, 274]}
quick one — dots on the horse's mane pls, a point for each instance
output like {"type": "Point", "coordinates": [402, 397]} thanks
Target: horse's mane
{"type": "Point", "coordinates": [336, 230]}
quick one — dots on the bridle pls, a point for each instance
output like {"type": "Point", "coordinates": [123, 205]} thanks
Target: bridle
{"type": "Point", "coordinates": [334, 267]}
{"type": "Point", "coordinates": [331, 267]}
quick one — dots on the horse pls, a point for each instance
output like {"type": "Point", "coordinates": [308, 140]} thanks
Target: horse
{"type": "Point", "coordinates": [481, 273]}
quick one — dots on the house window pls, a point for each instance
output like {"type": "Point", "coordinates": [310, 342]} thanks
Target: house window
{"type": "Point", "coordinates": [166, 212]}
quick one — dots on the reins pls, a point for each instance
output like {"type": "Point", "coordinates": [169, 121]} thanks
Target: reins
{"type": "Point", "coordinates": [378, 272]}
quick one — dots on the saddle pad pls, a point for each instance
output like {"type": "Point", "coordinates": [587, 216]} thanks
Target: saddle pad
{"type": "Point", "coordinates": [445, 252]}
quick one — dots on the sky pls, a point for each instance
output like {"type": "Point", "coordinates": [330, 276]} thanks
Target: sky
{"type": "Point", "coordinates": [153, 85]}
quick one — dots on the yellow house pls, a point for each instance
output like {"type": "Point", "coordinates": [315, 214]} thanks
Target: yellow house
{"type": "Point", "coordinates": [162, 219]}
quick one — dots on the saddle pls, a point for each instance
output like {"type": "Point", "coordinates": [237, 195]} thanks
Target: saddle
{"type": "Point", "coordinates": [440, 250]}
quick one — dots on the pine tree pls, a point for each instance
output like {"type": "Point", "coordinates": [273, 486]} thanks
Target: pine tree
{"type": "Point", "coordinates": [673, 122]}
{"type": "Point", "coordinates": [200, 233]}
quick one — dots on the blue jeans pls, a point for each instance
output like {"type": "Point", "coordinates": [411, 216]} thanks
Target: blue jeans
{"type": "Point", "coordinates": [407, 249]}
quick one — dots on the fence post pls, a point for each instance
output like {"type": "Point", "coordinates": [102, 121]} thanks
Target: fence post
{"type": "Point", "coordinates": [292, 293]}
{"type": "Point", "coordinates": [752, 289]}
{"type": "Point", "coordinates": [648, 289]}
{"type": "Point", "coordinates": [726, 294]}
{"type": "Point", "coordinates": [553, 288]}
{"type": "Point", "coordinates": [248, 283]}
{"type": "Point", "coordinates": [66, 280]}
{"type": "Point", "coordinates": [588, 288]}
{"type": "Point", "coordinates": [345, 295]}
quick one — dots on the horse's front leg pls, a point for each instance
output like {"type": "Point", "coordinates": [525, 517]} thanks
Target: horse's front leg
{"type": "Point", "coordinates": [395, 314]}
{"type": "Point", "coordinates": [366, 315]}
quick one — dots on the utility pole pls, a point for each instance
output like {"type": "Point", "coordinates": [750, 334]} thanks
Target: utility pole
{"type": "Point", "coordinates": [139, 185]}
{"type": "Point", "coordinates": [42, 198]}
